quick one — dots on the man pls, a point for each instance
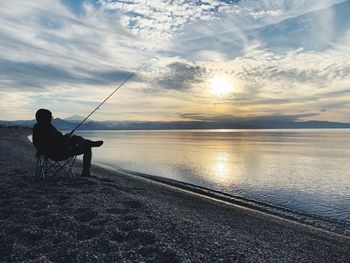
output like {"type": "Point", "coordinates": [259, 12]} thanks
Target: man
{"type": "Point", "coordinates": [49, 141]}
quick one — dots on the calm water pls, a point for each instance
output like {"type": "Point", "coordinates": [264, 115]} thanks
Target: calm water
{"type": "Point", "coordinates": [305, 170]}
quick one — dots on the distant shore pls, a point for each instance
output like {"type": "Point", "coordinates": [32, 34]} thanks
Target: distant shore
{"type": "Point", "coordinates": [236, 124]}
{"type": "Point", "coordinates": [120, 218]}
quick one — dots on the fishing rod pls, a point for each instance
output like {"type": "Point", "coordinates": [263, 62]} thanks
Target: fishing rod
{"type": "Point", "coordinates": [110, 95]}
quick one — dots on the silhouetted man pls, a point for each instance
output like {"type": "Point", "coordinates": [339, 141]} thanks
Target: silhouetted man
{"type": "Point", "coordinates": [49, 141]}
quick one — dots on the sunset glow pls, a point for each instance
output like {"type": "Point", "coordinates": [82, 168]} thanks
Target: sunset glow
{"type": "Point", "coordinates": [221, 85]}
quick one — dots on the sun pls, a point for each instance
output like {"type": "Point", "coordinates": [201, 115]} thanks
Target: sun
{"type": "Point", "coordinates": [221, 85]}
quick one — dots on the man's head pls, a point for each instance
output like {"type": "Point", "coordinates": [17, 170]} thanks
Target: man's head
{"type": "Point", "coordinates": [43, 116]}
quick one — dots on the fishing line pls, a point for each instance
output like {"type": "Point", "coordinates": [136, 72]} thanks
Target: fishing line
{"type": "Point", "coordinates": [126, 80]}
{"type": "Point", "coordinates": [110, 95]}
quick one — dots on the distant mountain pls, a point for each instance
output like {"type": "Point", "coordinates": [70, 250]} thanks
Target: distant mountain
{"type": "Point", "coordinates": [74, 118]}
{"type": "Point", "coordinates": [66, 124]}
{"type": "Point", "coordinates": [59, 124]}
{"type": "Point", "coordinates": [70, 125]}
{"type": "Point", "coordinates": [23, 123]}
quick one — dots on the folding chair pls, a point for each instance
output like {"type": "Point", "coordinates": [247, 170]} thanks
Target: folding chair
{"type": "Point", "coordinates": [46, 166]}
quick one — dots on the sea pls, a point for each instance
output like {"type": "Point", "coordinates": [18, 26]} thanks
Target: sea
{"type": "Point", "coordinates": [305, 170]}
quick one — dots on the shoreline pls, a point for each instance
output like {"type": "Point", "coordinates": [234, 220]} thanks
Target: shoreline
{"type": "Point", "coordinates": [123, 218]}
{"type": "Point", "coordinates": [331, 227]}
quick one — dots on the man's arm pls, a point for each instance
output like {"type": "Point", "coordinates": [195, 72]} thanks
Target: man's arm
{"type": "Point", "coordinates": [59, 137]}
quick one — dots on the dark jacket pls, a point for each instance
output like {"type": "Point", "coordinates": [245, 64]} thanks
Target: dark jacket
{"type": "Point", "coordinates": [49, 141]}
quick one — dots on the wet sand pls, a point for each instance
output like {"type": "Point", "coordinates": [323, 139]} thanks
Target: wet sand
{"type": "Point", "coordinates": [121, 218]}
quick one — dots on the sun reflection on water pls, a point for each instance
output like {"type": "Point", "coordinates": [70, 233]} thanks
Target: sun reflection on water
{"type": "Point", "coordinates": [223, 168]}
{"type": "Point", "coordinates": [302, 170]}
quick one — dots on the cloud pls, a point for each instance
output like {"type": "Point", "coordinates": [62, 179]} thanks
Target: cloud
{"type": "Point", "coordinates": [235, 27]}
{"type": "Point", "coordinates": [165, 18]}
{"type": "Point", "coordinates": [20, 75]}
{"type": "Point", "coordinates": [268, 82]}
{"type": "Point", "coordinates": [94, 39]}
{"type": "Point", "coordinates": [48, 52]}
{"type": "Point", "coordinates": [162, 18]}
{"type": "Point", "coordinates": [180, 76]}
{"type": "Point", "coordinates": [269, 73]}
{"type": "Point", "coordinates": [232, 118]}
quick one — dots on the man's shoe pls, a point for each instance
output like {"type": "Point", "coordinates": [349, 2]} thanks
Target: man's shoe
{"type": "Point", "coordinates": [86, 174]}
{"type": "Point", "coordinates": [96, 143]}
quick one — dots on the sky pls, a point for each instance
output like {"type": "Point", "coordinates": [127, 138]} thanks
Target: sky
{"type": "Point", "coordinates": [204, 60]}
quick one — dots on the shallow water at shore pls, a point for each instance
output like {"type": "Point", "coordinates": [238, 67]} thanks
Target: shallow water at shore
{"type": "Point", "coordinates": [303, 170]}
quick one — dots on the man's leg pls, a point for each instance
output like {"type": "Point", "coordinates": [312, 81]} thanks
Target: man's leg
{"type": "Point", "coordinates": [82, 141]}
{"type": "Point", "coordinates": [85, 147]}
{"type": "Point", "coordinates": [87, 160]}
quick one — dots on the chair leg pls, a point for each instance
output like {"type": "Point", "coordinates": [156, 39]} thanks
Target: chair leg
{"type": "Point", "coordinates": [61, 167]}
{"type": "Point", "coordinates": [52, 165]}
{"type": "Point", "coordinates": [44, 166]}
{"type": "Point", "coordinates": [67, 167]}
{"type": "Point", "coordinates": [37, 166]}
{"type": "Point", "coordinates": [40, 165]}
{"type": "Point", "coordinates": [71, 164]}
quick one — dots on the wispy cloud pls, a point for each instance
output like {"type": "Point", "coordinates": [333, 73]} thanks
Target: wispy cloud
{"type": "Point", "coordinates": [230, 118]}
{"type": "Point", "coordinates": [34, 75]}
